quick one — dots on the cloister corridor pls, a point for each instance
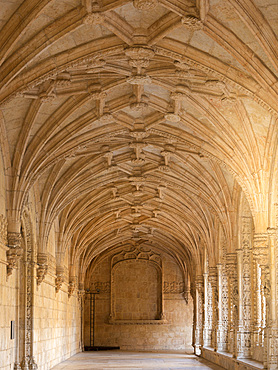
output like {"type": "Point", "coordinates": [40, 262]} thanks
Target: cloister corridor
{"type": "Point", "coordinates": [138, 184]}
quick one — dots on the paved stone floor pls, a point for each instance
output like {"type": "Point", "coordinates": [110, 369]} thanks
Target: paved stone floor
{"type": "Point", "coordinates": [134, 360]}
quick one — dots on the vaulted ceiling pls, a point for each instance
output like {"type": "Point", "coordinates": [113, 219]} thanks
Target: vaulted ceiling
{"type": "Point", "coordinates": [139, 121]}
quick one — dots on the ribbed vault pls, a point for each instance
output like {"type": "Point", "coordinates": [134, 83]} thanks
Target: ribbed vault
{"type": "Point", "coordinates": [139, 123]}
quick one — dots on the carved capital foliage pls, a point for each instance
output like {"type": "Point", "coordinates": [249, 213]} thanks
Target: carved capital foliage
{"type": "Point", "coordinates": [15, 251]}
{"type": "Point", "coordinates": [42, 261]}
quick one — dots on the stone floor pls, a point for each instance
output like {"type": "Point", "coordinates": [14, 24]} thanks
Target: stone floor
{"type": "Point", "coordinates": [134, 360]}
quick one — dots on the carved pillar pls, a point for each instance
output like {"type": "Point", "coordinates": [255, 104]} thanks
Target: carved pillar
{"type": "Point", "coordinates": [81, 299]}
{"type": "Point", "coordinates": [27, 304]}
{"type": "Point", "coordinates": [221, 345]}
{"type": "Point", "coordinates": [15, 251]}
{"type": "Point", "coordinates": [260, 259]}
{"type": "Point", "coordinates": [207, 312]}
{"type": "Point", "coordinates": [240, 330]}
{"type": "Point", "coordinates": [224, 309]}
{"type": "Point", "coordinates": [261, 255]}
{"type": "Point", "coordinates": [214, 305]}
{"type": "Point", "coordinates": [244, 289]}
{"type": "Point", "coordinates": [269, 282]}
{"type": "Point", "coordinates": [199, 315]}
{"type": "Point", "coordinates": [257, 307]}
{"type": "Point", "coordinates": [233, 301]}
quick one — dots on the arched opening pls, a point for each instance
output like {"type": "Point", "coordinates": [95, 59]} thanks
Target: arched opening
{"type": "Point", "coordinates": [137, 299]}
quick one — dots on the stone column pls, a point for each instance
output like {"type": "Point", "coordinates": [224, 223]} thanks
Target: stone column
{"type": "Point", "coordinates": [207, 328]}
{"type": "Point", "coordinates": [199, 316]}
{"type": "Point", "coordinates": [214, 305]}
{"type": "Point", "coordinates": [233, 301]}
{"type": "Point", "coordinates": [27, 305]}
{"type": "Point", "coordinates": [81, 299]}
{"type": "Point", "coordinates": [221, 345]}
{"type": "Point", "coordinates": [240, 330]}
{"type": "Point", "coordinates": [260, 257]}
{"type": "Point", "coordinates": [257, 301]}
{"type": "Point", "coordinates": [269, 282]}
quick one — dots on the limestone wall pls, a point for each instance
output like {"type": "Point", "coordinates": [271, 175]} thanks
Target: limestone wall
{"type": "Point", "coordinates": [56, 317]}
{"type": "Point", "coordinates": [8, 294]}
{"type": "Point", "coordinates": [133, 327]}
{"type": "Point", "coordinates": [56, 325]}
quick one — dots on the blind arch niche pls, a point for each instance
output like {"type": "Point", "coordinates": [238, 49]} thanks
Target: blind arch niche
{"type": "Point", "coordinates": [136, 287]}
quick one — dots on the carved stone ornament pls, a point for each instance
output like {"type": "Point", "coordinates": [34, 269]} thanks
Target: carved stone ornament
{"type": "Point", "coordinates": [80, 294]}
{"type": "Point", "coordinates": [42, 268]}
{"type": "Point", "coordinates": [94, 18]}
{"type": "Point", "coordinates": [59, 280]}
{"type": "Point", "coordinates": [28, 363]}
{"type": "Point", "coordinates": [192, 23]}
{"type": "Point", "coordinates": [15, 251]}
{"type": "Point", "coordinates": [13, 255]}
{"type": "Point", "coordinates": [145, 4]}
{"type": "Point", "coordinates": [139, 80]}
{"type": "Point", "coordinates": [172, 117]}
{"type": "Point", "coordinates": [228, 101]}
{"type": "Point", "coordinates": [3, 229]}
{"type": "Point", "coordinates": [139, 53]}
{"type": "Point", "coordinates": [72, 286]}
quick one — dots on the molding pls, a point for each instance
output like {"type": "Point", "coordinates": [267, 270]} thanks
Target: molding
{"type": "Point", "coordinates": [137, 322]}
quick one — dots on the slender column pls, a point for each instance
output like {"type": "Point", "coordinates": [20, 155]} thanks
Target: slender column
{"type": "Point", "coordinates": [271, 341]}
{"type": "Point", "coordinates": [257, 328]}
{"type": "Point", "coordinates": [207, 329]}
{"type": "Point", "coordinates": [81, 299]}
{"type": "Point", "coordinates": [214, 305]}
{"type": "Point", "coordinates": [233, 301]}
{"type": "Point", "coordinates": [220, 330]}
{"type": "Point", "coordinates": [199, 299]}
{"type": "Point", "coordinates": [261, 253]}
{"type": "Point", "coordinates": [240, 329]}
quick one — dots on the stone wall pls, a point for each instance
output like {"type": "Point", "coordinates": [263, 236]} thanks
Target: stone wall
{"type": "Point", "coordinates": [56, 325]}
{"type": "Point", "coordinates": [8, 294]}
{"type": "Point", "coordinates": [118, 319]}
